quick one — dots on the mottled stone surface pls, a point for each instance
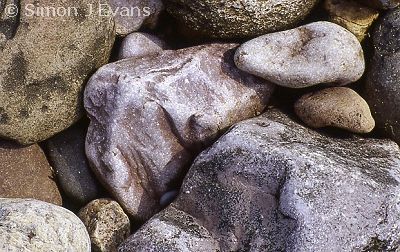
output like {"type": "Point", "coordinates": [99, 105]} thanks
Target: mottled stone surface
{"type": "Point", "coordinates": [131, 15]}
{"type": "Point", "coordinates": [352, 15]}
{"type": "Point", "coordinates": [271, 184]}
{"type": "Point", "coordinates": [66, 153]}
{"type": "Point", "coordinates": [381, 4]}
{"type": "Point", "coordinates": [36, 226]}
{"type": "Point", "coordinates": [140, 44]}
{"type": "Point", "coordinates": [339, 107]}
{"type": "Point", "coordinates": [25, 173]}
{"type": "Point", "coordinates": [382, 90]}
{"type": "Point", "coordinates": [320, 52]}
{"type": "Point", "coordinates": [107, 224]}
{"type": "Point", "coordinates": [150, 116]}
{"type": "Point", "coordinates": [44, 62]}
{"type": "Point", "coordinates": [239, 19]}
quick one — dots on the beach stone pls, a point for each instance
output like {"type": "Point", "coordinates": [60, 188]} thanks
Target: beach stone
{"type": "Point", "coordinates": [45, 60]}
{"type": "Point", "coordinates": [25, 173]}
{"type": "Point", "coordinates": [381, 4]}
{"type": "Point", "coordinates": [238, 19]}
{"type": "Point", "coordinates": [33, 226]}
{"type": "Point", "coordinates": [107, 224]}
{"type": "Point", "coordinates": [150, 117]}
{"type": "Point", "coordinates": [316, 53]}
{"type": "Point", "coordinates": [132, 15]}
{"type": "Point", "coordinates": [382, 91]}
{"type": "Point", "coordinates": [66, 153]}
{"type": "Point", "coordinates": [338, 107]}
{"type": "Point", "coordinates": [352, 15]}
{"type": "Point", "coordinates": [139, 44]}
{"type": "Point", "coordinates": [270, 184]}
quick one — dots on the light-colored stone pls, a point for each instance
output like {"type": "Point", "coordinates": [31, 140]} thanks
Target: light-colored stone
{"type": "Point", "coordinates": [45, 60]}
{"type": "Point", "coordinates": [139, 44]}
{"type": "Point", "coordinates": [320, 52]}
{"type": "Point", "coordinates": [271, 184]}
{"type": "Point", "coordinates": [36, 226]}
{"type": "Point", "coordinates": [149, 117]}
{"type": "Point", "coordinates": [352, 15]}
{"type": "Point", "coordinates": [107, 224]}
{"type": "Point", "coordinates": [338, 107]}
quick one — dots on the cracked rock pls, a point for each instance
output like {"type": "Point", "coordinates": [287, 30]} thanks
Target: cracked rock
{"type": "Point", "coordinates": [270, 184]}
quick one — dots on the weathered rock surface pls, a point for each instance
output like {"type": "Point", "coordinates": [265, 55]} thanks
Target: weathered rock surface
{"type": "Point", "coordinates": [35, 226]}
{"type": "Point", "coordinates": [131, 15]}
{"type": "Point", "coordinates": [383, 77]}
{"type": "Point", "coordinates": [66, 152]}
{"type": "Point", "coordinates": [320, 52]}
{"type": "Point", "coordinates": [25, 173]}
{"type": "Point", "coordinates": [339, 107]}
{"type": "Point", "coordinates": [271, 184]}
{"type": "Point", "coordinates": [381, 4]}
{"type": "Point", "coordinates": [239, 19]}
{"type": "Point", "coordinates": [149, 117]}
{"type": "Point", "coordinates": [44, 62]}
{"type": "Point", "coordinates": [139, 44]}
{"type": "Point", "coordinates": [107, 224]}
{"type": "Point", "coordinates": [353, 16]}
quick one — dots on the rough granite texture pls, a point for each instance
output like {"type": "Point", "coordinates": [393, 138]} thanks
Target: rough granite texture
{"type": "Point", "coordinates": [132, 15]}
{"type": "Point", "coordinates": [107, 224]}
{"type": "Point", "coordinates": [36, 226]}
{"type": "Point", "coordinates": [339, 107]}
{"type": "Point", "coordinates": [150, 116]}
{"type": "Point", "coordinates": [381, 4]}
{"type": "Point", "coordinates": [271, 184]}
{"type": "Point", "coordinates": [140, 44]}
{"type": "Point", "coordinates": [320, 52]}
{"type": "Point", "coordinates": [45, 61]}
{"type": "Point", "coordinates": [239, 19]}
{"type": "Point", "coordinates": [382, 90]}
{"type": "Point", "coordinates": [26, 173]}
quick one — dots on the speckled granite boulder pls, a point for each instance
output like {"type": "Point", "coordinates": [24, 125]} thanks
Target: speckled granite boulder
{"type": "Point", "coordinates": [139, 44]}
{"type": "Point", "coordinates": [45, 61]}
{"type": "Point", "coordinates": [149, 117]}
{"type": "Point", "coordinates": [382, 90]}
{"type": "Point", "coordinates": [320, 52]}
{"type": "Point", "coordinates": [271, 184]}
{"type": "Point", "coordinates": [239, 19]}
{"type": "Point", "coordinates": [36, 226]}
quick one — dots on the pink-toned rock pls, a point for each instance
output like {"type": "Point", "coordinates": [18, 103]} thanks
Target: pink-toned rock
{"type": "Point", "coordinates": [150, 116]}
{"type": "Point", "coordinates": [139, 44]}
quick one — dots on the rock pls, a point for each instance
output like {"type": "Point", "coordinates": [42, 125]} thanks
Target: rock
{"type": "Point", "coordinates": [66, 152]}
{"type": "Point", "coordinates": [168, 197]}
{"type": "Point", "coordinates": [382, 90]}
{"type": "Point", "coordinates": [131, 15]}
{"type": "Point", "coordinates": [25, 173]}
{"type": "Point", "coordinates": [45, 60]}
{"type": "Point", "coordinates": [140, 44]}
{"type": "Point", "coordinates": [238, 19]}
{"type": "Point", "coordinates": [271, 184]}
{"type": "Point", "coordinates": [320, 52]}
{"type": "Point", "coordinates": [339, 107]}
{"type": "Point", "coordinates": [179, 232]}
{"type": "Point", "coordinates": [381, 4]}
{"type": "Point", "coordinates": [31, 225]}
{"type": "Point", "coordinates": [351, 15]}
{"type": "Point", "coordinates": [149, 117]}
{"type": "Point", "coordinates": [107, 224]}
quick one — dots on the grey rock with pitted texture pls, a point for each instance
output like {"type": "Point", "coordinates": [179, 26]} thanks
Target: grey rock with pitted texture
{"type": "Point", "coordinates": [238, 19]}
{"type": "Point", "coordinates": [270, 184]}
{"type": "Point", "coordinates": [36, 226]}
{"type": "Point", "coordinates": [140, 44]}
{"type": "Point", "coordinates": [45, 61]}
{"type": "Point", "coordinates": [381, 4]}
{"type": "Point", "coordinates": [320, 52]}
{"type": "Point", "coordinates": [149, 117]}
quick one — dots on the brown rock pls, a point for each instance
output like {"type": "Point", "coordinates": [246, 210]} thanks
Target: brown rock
{"type": "Point", "coordinates": [353, 16]}
{"type": "Point", "coordinates": [339, 107]}
{"type": "Point", "coordinates": [25, 173]}
{"type": "Point", "coordinates": [107, 224]}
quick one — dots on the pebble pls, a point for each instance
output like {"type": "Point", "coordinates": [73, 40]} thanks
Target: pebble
{"type": "Point", "coordinates": [138, 44]}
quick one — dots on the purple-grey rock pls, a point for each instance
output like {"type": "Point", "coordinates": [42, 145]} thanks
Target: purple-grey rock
{"type": "Point", "coordinates": [149, 117]}
{"type": "Point", "coordinates": [139, 44]}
